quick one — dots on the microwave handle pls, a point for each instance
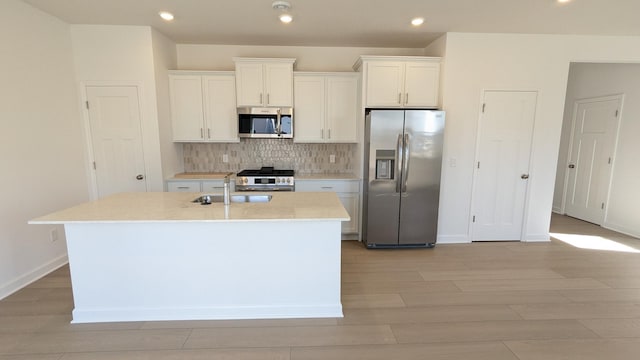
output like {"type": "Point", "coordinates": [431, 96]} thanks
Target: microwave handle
{"type": "Point", "coordinates": [278, 123]}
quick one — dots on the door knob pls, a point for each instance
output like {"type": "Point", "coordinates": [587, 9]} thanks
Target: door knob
{"type": "Point", "coordinates": [572, 166]}
{"type": "Point", "coordinates": [140, 177]}
{"type": "Point", "coordinates": [524, 176]}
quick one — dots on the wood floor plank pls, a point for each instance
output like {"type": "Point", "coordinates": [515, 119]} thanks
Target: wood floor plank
{"type": "Point", "coordinates": [372, 301]}
{"type": "Point", "coordinates": [578, 311]}
{"type": "Point", "coordinates": [614, 328]}
{"type": "Point", "coordinates": [530, 284]}
{"type": "Point", "coordinates": [592, 349]}
{"type": "Point", "coordinates": [289, 336]}
{"type": "Point", "coordinates": [459, 351]}
{"type": "Point", "coordinates": [208, 354]}
{"type": "Point", "coordinates": [428, 314]}
{"type": "Point", "coordinates": [482, 298]}
{"type": "Point", "coordinates": [491, 331]}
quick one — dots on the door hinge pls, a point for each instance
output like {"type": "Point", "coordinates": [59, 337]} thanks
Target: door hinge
{"type": "Point", "coordinates": [94, 165]}
{"type": "Point", "coordinates": [483, 107]}
{"type": "Point", "coordinates": [474, 219]}
{"type": "Point", "coordinates": [602, 207]}
{"type": "Point", "coordinates": [86, 104]}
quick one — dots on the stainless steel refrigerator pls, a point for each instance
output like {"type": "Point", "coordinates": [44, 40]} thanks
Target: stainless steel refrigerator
{"type": "Point", "coordinates": [403, 160]}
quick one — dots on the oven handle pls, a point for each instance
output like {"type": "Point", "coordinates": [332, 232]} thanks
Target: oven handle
{"type": "Point", "coordinates": [247, 189]}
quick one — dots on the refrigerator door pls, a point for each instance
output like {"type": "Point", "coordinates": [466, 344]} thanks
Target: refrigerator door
{"type": "Point", "coordinates": [423, 141]}
{"type": "Point", "coordinates": [382, 179]}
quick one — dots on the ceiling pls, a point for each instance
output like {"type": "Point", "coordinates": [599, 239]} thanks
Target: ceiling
{"type": "Point", "coordinates": [365, 23]}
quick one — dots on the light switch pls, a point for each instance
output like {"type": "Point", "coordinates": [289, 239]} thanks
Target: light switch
{"type": "Point", "coordinates": [225, 158]}
{"type": "Point", "coordinates": [332, 158]}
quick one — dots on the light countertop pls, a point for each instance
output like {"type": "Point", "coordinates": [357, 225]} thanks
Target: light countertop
{"type": "Point", "coordinates": [221, 175]}
{"type": "Point", "coordinates": [177, 207]}
{"type": "Point", "coordinates": [202, 176]}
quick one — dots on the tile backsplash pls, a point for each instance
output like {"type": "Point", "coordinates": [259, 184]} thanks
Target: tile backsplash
{"type": "Point", "coordinates": [279, 153]}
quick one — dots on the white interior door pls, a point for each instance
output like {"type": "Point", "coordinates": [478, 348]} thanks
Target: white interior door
{"type": "Point", "coordinates": [502, 167]}
{"type": "Point", "coordinates": [114, 118]}
{"type": "Point", "coordinates": [595, 125]}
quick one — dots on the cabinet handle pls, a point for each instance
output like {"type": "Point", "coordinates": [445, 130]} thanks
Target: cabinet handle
{"type": "Point", "coordinates": [268, 99]}
{"type": "Point", "coordinates": [399, 98]}
{"type": "Point", "coordinates": [209, 133]}
{"type": "Point", "coordinates": [406, 99]}
{"type": "Point", "coordinates": [183, 187]}
{"type": "Point", "coordinates": [329, 133]}
{"type": "Point", "coordinates": [202, 133]}
{"type": "Point", "coordinates": [322, 133]}
{"type": "Point", "coordinates": [260, 98]}
{"type": "Point", "coordinates": [327, 187]}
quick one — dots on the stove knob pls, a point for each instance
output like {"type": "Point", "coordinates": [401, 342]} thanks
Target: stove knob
{"type": "Point", "coordinates": [289, 180]}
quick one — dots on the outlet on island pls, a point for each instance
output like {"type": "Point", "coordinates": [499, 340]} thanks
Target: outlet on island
{"type": "Point", "coordinates": [225, 158]}
{"type": "Point", "coordinates": [332, 159]}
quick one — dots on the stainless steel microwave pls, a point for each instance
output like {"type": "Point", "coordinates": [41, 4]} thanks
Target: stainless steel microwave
{"type": "Point", "coordinates": [265, 123]}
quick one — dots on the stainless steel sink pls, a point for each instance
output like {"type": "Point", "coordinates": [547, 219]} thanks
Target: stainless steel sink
{"type": "Point", "coordinates": [218, 198]}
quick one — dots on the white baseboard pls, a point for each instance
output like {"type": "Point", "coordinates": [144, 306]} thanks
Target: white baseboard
{"type": "Point", "coordinates": [453, 239]}
{"type": "Point", "coordinates": [621, 229]}
{"type": "Point", "coordinates": [206, 313]}
{"type": "Point", "coordinates": [557, 210]}
{"type": "Point", "coordinates": [537, 238]}
{"type": "Point", "coordinates": [32, 276]}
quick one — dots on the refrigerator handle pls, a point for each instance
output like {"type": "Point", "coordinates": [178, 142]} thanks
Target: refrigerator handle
{"type": "Point", "coordinates": [399, 160]}
{"type": "Point", "coordinates": [405, 166]}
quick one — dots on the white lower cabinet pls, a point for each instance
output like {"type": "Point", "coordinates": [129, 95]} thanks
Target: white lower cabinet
{"type": "Point", "coordinates": [348, 192]}
{"type": "Point", "coordinates": [205, 186]}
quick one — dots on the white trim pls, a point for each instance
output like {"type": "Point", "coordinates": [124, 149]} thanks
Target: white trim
{"type": "Point", "coordinates": [557, 210]}
{"type": "Point", "coordinates": [32, 276]}
{"type": "Point", "coordinates": [621, 229]}
{"type": "Point", "coordinates": [453, 239]}
{"type": "Point", "coordinates": [207, 313]}
{"type": "Point", "coordinates": [537, 238]}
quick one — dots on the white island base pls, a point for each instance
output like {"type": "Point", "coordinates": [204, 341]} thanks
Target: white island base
{"type": "Point", "coordinates": [144, 271]}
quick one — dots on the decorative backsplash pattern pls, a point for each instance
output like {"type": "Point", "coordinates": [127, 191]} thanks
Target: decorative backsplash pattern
{"type": "Point", "coordinates": [279, 153]}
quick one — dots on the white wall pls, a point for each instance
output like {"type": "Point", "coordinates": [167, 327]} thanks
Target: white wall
{"type": "Point", "coordinates": [42, 148]}
{"type": "Point", "coordinates": [477, 62]}
{"type": "Point", "coordinates": [124, 55]}
{"type": "Point", "coordinates": [219, 57]}
{"type": "Point", "coordinates": [594, 80]}
{"type": "Point", "coordinates": [165, 58]}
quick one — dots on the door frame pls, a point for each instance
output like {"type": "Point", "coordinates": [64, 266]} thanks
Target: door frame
{"type": "Point", "coordinates": [574, 114]}
{"type": "Point", "coordinates": [525, 213]}
{"type": "Point", "coordinates": [86, 124]}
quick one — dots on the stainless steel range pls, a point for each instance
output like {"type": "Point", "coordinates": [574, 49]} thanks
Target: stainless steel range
{"type": "Point", "coordinates": [265, 179]}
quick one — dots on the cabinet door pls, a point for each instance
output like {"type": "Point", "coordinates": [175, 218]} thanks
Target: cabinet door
{"type": "Point", "coordinates": [183, 186]}
{"type": "Point", "coordinates": [422, 80]}
{"type": "Point", "coordinates": [342, 109]}
{"type": "Point", "coordinates": [249, 84]}
{"type": "Point", "coordinates": [309, 109]}
{"type": "Point", "coordinates": [278, 85]}
{"type": "Point", "coordinates": [221, 118]}
{"type": "Point", "coordinates": [351, 203]}
{"type": "Point", "coordinates": [385, 84]}
{"type": "Point", "coordinates": [187, 114]}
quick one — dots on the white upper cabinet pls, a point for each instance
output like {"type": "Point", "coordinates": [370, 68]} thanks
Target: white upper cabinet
{"type": "Point", "coordinates": [400, 81]}
{"type": "Point", "coordinates": [203, 107]}
{"type": "Point", "coordinates": [264, 82]}
{"type": "Point", "coordinates": [325, 107]}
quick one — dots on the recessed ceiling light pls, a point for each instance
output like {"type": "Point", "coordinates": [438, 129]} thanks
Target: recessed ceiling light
{"type": "Point", "coordinates": [286, 18]}
{"type": "Point", "coordinates": [166, 15]}
{"type": "Point", "coordinates": [563, 1]}
{"type": "Point", "coordinates": [417, 21]}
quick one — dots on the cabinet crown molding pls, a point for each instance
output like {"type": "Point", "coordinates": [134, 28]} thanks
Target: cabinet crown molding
{"type": "Point", "coordinates": [264, 60]}
{"type": "Point", "coordinates": [363, 58]}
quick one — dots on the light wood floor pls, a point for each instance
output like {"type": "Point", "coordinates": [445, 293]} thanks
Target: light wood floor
{"type": "Point", "coordinates": [492, 301]}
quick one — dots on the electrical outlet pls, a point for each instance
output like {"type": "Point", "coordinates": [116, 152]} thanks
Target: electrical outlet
{"type": "Point", "coordinates": [332, 158]}
{"type": "Point", "coordinates": [225, 158]}
{"type": "Point", "coordinates": [53, 235]}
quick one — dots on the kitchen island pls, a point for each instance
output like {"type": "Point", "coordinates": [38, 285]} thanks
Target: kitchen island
{"type": "Point", "coordinates": [159, 256]}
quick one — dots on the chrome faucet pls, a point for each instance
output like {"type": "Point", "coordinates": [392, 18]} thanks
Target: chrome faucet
{"type": "Point", "coordinates": [225, 192]}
